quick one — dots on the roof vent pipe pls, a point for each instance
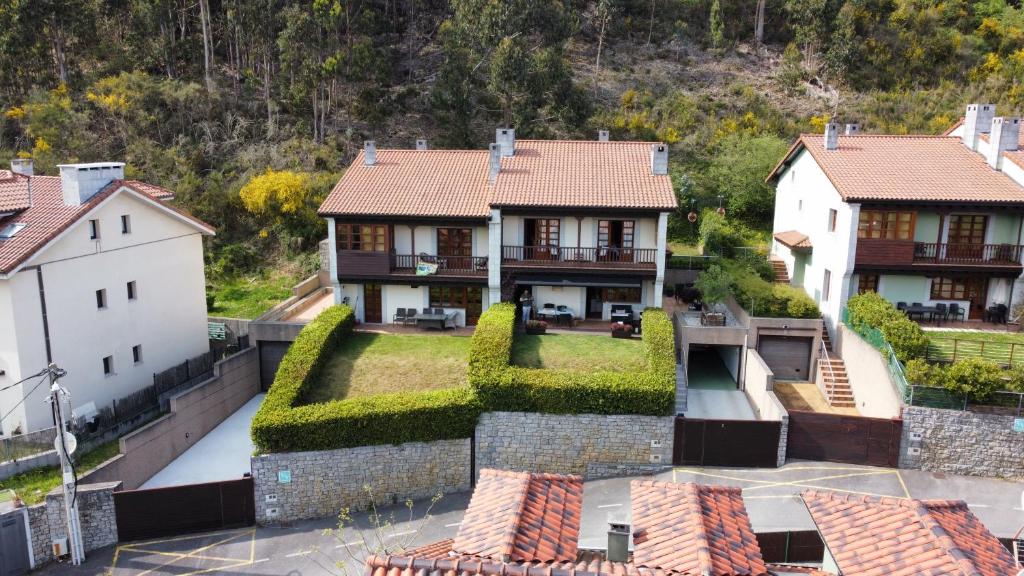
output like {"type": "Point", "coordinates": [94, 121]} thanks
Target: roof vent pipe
{"type": "Point", "coordinates": [618, 541]}
{"type": "Point", "coordinates": [977, 121]}
{"type": "Point", "coordinates": [22, 166]}
{"type": "Point", "coordinates": [852, 129]}
{"type": "Point", "coordinates": [602, 135]}
{"type": "Point", "coordinates": [1005, 137]}
{"type": "Point", "coordinates": [659, 159]}
{"type": "Point", "coordinates": [495, 162]}
{"type": "Point", "coordinates": [370, 153]}
{"type": "Point", "coordinates": [421, 144]}
{"type": "Point", "coordinates": [831, 136]}
{"type": "Point", "coordinates": [506, 139]}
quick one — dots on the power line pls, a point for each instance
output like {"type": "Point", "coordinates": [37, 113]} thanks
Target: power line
{"type": "Point", "coordinates": [24, 396]}
{"type": "Point", "coordinates": [23, 380]}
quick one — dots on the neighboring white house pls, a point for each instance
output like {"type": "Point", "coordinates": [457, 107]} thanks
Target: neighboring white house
{"type": "Point", "coordinates": [99, 275]}
{"type": "Point", "coordinates": [578, 224]}
{"type": "Point", "coordinates": [918, 219]}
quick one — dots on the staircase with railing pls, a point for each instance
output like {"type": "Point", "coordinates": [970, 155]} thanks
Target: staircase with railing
{"type": "Point", "coordinates": [835, 381]}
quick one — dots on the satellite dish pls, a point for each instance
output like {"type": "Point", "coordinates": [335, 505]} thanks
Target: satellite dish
{"type": "Point", "coordinates": [70, 442]}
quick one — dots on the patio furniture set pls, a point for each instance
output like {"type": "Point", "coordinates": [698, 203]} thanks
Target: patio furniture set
{"type": "Point", "coordinates": [429, 318]}
{"type": "Point", "coordinates": [560, 314]}
{"type": "Point", "coordinates": [940, 312]}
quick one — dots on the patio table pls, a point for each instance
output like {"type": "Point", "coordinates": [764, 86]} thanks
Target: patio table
{"type": "Point", "coordinates": [931, 311]}
{"type": "Point", "coordinates": [434, 320]}
{"type": "Point", "coordinates": [559, 316]}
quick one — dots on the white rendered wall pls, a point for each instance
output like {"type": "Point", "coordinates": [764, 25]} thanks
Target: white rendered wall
{"type": "Point", "coordinates": [571, 296]}
{"type": "Point", "coordinates": [645, 230]}
{"type": "Point", "coordinates": [396, 296]}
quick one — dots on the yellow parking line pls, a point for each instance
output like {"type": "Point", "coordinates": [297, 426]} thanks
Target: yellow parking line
{"type": "Point", "coordinates": [190, 537]}
{"type": "Point", "coordinates": [805, 482]}
{"type": "Point", "coordinates": [181, 555]}
{"type": "Point", "coordinates": [816, 479]}
{"type": "Point", "coordinates": [190, 554]}
{"type": "Point", "coordinates": [903, 484]}
{"type": "Point", "coordinates": [228, 567]}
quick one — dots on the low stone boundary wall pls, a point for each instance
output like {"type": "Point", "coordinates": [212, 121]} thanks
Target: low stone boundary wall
{"type": "Point", "coordinates": [193, 413]}
{"type": "Point", "coordinates": [960, 442]}
{"type": "Point", "coordinates": [300, 485]}
{"type": "Point", "coordinates": [591, 445]}
{"type": "Point", "coordinates": [47, 521]}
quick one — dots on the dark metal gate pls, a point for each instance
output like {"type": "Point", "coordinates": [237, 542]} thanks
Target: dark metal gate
{"type": "Point", "coordinates": [14, 559]}
{"type": "Point", "coordinates": [173, 510]}
{"type": "Point", "coordinates": [741, 443]}
{"type": "Point", "coordinates": [848, 439]}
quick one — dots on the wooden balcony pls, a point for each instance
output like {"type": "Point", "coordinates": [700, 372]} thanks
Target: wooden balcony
{"type": "Point", "coordinates": [983, 254]}
{"type": "Point", "coordinates": [598, 258]}
{"type": "Point", "coordinates": [364, 264]}
{"type": "Point", "coordinates": [878, 254]}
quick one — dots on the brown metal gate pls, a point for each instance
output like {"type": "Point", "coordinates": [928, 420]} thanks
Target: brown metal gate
{"type": "Point", "coordinates": [741, 443]}
{"type": "Point", "coordinates": [173, 510]}
{"type": "Point", "coordinates": [848, 439]}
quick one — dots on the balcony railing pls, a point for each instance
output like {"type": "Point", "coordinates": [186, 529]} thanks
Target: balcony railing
{"type": "Point", "coordinates": [586, 257]}
{"type": "Point", "coordinates": [999, 254]}
{"type": "Point", "coordinates": [407, 263]}
{"type": "Point", "coordinates": [355, 263]}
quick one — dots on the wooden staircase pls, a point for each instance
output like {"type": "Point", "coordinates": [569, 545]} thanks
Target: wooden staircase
{"type": "Point", "coordinates": [836, 382]}
{"type": "Point", "coordinates": [779, 269]}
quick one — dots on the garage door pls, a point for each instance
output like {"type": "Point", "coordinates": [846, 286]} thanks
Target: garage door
{"type": "Point", "coordinates": [270, 357]}
{"type": "Point", "coordinates": [789, 357]}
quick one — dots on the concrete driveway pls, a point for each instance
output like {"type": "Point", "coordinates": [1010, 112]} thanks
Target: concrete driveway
{"type": "Point", "coordinates": [305, 548]}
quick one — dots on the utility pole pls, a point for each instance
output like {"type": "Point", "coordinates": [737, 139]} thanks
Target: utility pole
{"type": "Point", "coordinates": [65, 445]}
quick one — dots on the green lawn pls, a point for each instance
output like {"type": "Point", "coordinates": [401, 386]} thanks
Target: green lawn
{"type": "Point", "coordinates": [32, 486]}
{"type": "Point", "coordinates": [681, 249]}
{"type": "Point", "coordinates": [367, 364]}
{"type": "Point", "coordinates": [578, 352]}
{"type": "Point", "coordinates": [250, 296]}
{"type": "Point", "coordinates": [1000, 347]}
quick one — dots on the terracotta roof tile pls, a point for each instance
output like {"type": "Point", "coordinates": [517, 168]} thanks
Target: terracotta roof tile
{"type": "Point", "coordinates": [48, 216]}
{"type": "Point", "coordinates": [582, 173]}
{"type": "Point", "coordinates": [914, 168]}
{"type": "Point", "coordinates": [693, 529]}
{"type": "Point", "coordinates": [794, 239]}
{"type": "Point", "coordinates": [414, 183]}
{"type": "Point", "coordinates": [13, 191]}
{"type": "Point", "coordinates": [870, 536]}
{"type": "Point", "coordinates": [522, 516]}
{"type": "Point", "coordinates": [439, 549]}
{"type": "Point", "coordinates": [158, 192]}
{"type": "Point", "coordinates": [586, 565]}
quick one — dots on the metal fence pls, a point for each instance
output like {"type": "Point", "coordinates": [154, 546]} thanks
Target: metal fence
{"type": "Point", "coordinates": [690, 262]}
{"type": "Point", "coordinates": [947, 350]}
{"type": "Point", "coordinates": [25, 445]}
{"type": "Point", "coordinates": [1004, 403]}
{"type": "Point", "coordinates": [875, 338]}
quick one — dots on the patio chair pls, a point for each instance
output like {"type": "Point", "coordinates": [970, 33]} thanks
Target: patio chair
{"type": "Point", "coordinates": [941, 310]}
{"type": "Point", "coordinates": [428, 311]}
{"type": "Point", "coordinates": [901, 306]}
{"type": "Point", "coordinates": [400, 316]}
{"type": "Point", "coordinates": [410, 316]}
{"type": "Point", "coordinates": [996, 314]}
{"type": "Point", "coordinates": [956, 312]}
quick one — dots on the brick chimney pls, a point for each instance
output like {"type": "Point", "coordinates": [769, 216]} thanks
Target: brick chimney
{"type": "Point", "coordinates": [370, 153]}
{"type": "Point", "coordinates": [977, 121]}
{"type": "Point", "coordinates": [80, 182]}
{"type": "Point", "coordinates": [659, 159]}
{"type": "Point", "coordinates": [22, 166]}
{"type": "Point", "coordinates": [831, 136]}
{"type": "Point", "coordinates": [421, 144]}
{"type": "Point", "coordinates": [506, 139]}
{"type": "Point", "coordinates": [602, 135]}
{"type": "Point", "coordinates": [1004, 137]}
{"type": "Point", "coordinates": [495, 162]}
{"type": "Point", "coordinates": [852, 129]}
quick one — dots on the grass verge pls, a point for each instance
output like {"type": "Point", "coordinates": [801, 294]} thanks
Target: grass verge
{"type": "Point", "coordinates": [32, 486]}
{"type": "Point", "coordinates": [578, 352]}
{"type": "Point", "coordinates": [1001, 347]}
{"type": "Point", "coordinates": [250, 296]}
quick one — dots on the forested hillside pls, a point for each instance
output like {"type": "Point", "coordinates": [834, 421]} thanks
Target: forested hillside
{"type": "Point", "coordinates": [250, 110]}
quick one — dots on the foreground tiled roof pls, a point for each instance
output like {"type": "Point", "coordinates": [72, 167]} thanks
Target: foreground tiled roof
{"type": "Point", "coordinates": [522, 516]}
{"type": "Point", "coordinates": [580, 173]}
{"type": "Point", "coordinates": [910, 168]}
{"type": "Point", "coordinates": [13, 191]}
{"type": "Point", "coordinates": [793, 239]}
{"type": "Point", "coordinates": [693, 529]}
{"type": "Point", "coordinates": [414, 183]}
{"type": "Point", "coordinates": [588, 564]}
{"type": "Point", "coordinates": [48, 216]}
{"type": "Point", "coordinates": [870, 536]}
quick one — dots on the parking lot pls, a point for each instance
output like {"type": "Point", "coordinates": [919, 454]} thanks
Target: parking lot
{"type": "Point", "coordinates": [312, 548]}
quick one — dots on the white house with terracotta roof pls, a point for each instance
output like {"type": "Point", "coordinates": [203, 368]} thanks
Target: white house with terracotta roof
{"type": "Point", "coordinates": [919, 219]}
{"type": "Point", "coordinates": [579, 224]}
{"type": "Point", "coordinates": [99, 275]}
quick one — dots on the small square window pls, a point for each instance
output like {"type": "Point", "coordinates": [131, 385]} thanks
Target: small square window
{"type": "Point", "coordinates": [108, 365]}
{"type": "Point", "coordinates": [94, 229]}
{"type": "Point", "coordinates": [101, 299]}
{"type": "Point", "coordinates": [132, 293]}
{"type": "Point", "coordinates": [833, 215]}
{"type": "Point", "coordinates": [126, 224]}
{"type": "Point", "coordinates": [137, 353]}
{"type": "Point", "coordinates": [826, 286]}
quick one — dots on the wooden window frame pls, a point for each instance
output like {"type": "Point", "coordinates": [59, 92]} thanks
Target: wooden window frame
{"type": "Point", "coordinates": [353, 237]}
{"type": "Point", "coordinates": [462, 237]}
{"type": "Point", "coordinates": [867, 283]}
{"type": "Point", "coordinates": [613, 295]}
{"type": "Point", "coordinates": [886, 224]}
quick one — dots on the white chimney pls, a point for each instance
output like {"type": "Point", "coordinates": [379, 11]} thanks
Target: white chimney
{"type": "Point", "coordinates": [602, 135]}
{"type": "Point", "coordinates": [370, 153]}
{"type": "Point", "coordinates": [831, 136]}
{"type": "Point", "coordinates": [22, 166]}
{"type": "Point", "coordinates": [421, 144]}
{"type": "Point", "coordinates": [1004, 137]}
{"type": "Point", "coordinates": [80, 182]}
{"type": "Point", "coordinates": [506, 139]}
{"type": "Point", "coordinates": [977, 121]}
{"type": "Point", "coordinates": [618, 540]}
{"type": "Point", "coordinates": [659, 159]}
{"type": "Point", "coordinates": [852, 129]}
{"type": "Point", "coordinates": [495, 162]}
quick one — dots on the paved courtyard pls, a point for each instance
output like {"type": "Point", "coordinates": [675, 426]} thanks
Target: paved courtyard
{"type": "Point", "coordinates": [306, 549]}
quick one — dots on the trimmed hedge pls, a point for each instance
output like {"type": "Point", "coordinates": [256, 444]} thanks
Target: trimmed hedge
{"type": "Point", "coordinates": [869, 310]}
{"type": "Point", "coordinates": [765, 299]}
{"type": "Point", "coordinates": [281, 426]}
{"type": "Point", "coordinates": [503, 387]}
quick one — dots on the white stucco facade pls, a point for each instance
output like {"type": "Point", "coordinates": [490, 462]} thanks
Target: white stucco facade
{"type": "Point", "coordinates": [162, 255]}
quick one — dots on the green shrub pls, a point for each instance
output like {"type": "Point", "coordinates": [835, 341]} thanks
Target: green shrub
{"type": "Point", "coordinates": [279, 425]}
{"type": "Point", "coordinates": [713, 284]}
{"type": "Point", "coordinates": [503, 387]}
{"type": "Point", "coordinates": [767, 299]}
{"type": "Point", "coordinates": [921, 373]}
{"type": "Point", "coordinates": [719, 236]}
{"type": "Point", "coordinates": [871, 310]}
{"type": "Point", "coordinates": [976, 378]}
{"type": "Point", "coordinates": [906, 337]}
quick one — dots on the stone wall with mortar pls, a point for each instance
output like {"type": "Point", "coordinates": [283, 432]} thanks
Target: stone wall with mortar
{"type": "Point", "coordinates": [590, 445]}
{"type": "Point", "coordinates": [319, 484]}
{"type": "Point", "coordinates": [960, 442]}
{"type": "Point", "coordinates": [48, 522]}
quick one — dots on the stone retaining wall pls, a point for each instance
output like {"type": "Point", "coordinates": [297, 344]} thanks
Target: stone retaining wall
{"type": "Point", "coordinates": [300, 485]}
{"type": "Point", "coordinates": [586, 444]}
{"type": "Point", "coordinates": [960, 442]}
{"type": "Point", "coordinates": [48, 522]}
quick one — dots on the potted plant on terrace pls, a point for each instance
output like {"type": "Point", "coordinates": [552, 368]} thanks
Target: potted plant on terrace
{"type": "Point", "coordinates": [621, 330]}
{"type": "Point", "coordinates": [536, 327]}
{"type": "Point", "coordinates": [714, 285]}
